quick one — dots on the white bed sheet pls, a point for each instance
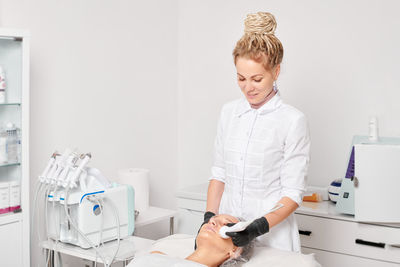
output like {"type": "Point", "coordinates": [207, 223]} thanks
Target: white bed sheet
{"type": "Point", "coordinates": [181, 246]}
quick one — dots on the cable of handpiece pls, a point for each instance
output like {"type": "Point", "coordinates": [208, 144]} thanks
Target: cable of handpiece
{"type": "Point", "coordinates": [38, 187]}
{"type": "Point", "coordinates": [51, 191]}
{"type": "Point", "coordinates": [115, 210]}
{"type": "Point", "coordinates": [94, 199]}
{"type": "Point", "coordinates": [42, 179]}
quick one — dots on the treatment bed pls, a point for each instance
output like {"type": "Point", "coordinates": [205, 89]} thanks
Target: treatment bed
{"type": "Point", "coordinates": [181, 245]}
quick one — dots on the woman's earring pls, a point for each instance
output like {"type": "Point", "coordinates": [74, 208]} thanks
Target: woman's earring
{"type": "Point", "coordinates": [275, 87]}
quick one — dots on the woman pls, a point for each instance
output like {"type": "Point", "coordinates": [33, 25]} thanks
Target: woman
{"type": "Point", "coordinates": [212, 249]}
{"type": "Point", "coordinates": [262, 145]}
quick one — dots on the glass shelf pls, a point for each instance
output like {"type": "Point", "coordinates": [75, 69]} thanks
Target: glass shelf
{"type": "Point", "coordinates": [9, 164]}
{"type": "Point", "coordinates": [10, 104]}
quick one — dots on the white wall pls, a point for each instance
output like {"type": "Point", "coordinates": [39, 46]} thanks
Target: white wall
{"type": "Point", "coordinates": [340, 67]}
{"type": "Point", "coordinates": [103, 79]}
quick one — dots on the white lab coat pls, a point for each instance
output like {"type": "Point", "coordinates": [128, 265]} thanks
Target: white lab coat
{"type": "Point", "coordinates": [262, 155]}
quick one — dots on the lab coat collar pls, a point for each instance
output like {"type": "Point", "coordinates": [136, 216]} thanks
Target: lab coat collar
{"type": "Point", "coordinates": [274, 103]}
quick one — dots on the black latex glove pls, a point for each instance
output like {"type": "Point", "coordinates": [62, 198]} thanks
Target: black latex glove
{"type": "Point", "coordinates": [256, 228]}
{"type": "Point", "coordinates": [207, 217]}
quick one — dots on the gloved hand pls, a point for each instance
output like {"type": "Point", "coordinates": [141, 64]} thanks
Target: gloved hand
{"type": "Point", "coordinates": [207, 217]}
{"type": "Point", "coordinates": [256, 228]}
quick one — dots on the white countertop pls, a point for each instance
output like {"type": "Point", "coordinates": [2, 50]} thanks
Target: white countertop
{"type": "Point", "coordinates": [322, 209]}
{"type": "Point", "coordinates": [152, 215]}
{"type": "Point", "coordinates": [327, 209]}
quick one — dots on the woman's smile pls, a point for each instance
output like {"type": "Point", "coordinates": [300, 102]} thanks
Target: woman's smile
{"type": "Point", "coordinates": [251, 95]}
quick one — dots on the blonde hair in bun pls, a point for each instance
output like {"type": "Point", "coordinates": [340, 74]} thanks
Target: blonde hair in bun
{"type": "Point", "coordinates": [260, 23]}
{"type": "Point", "coordinates": [259, 41]}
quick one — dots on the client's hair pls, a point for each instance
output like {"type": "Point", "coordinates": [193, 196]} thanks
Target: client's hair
{"type": "Point", "coordinates": [243, 257]}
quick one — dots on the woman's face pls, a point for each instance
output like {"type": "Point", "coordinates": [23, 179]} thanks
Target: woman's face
{"type": "Point", "coordinates": [209, 234]}
{"type": "Point", "coordinates": [255, 81]}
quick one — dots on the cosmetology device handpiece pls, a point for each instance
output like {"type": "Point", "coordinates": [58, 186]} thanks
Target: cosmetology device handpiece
{"type": "Point", "coordinates": [61, 166]}
{"type": "Point", "coordinates": [53, 169]}
{"type": "Point", "coordinates": [52, 159]}
{"type": "Point", "coordinates": [240, 226]}
{"type": "Point", "coordinates": [71, 160]}
{"type": "Point", "coordinates": [77, 173]}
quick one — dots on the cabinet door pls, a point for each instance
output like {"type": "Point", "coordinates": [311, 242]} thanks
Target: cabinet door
{"type": "Point", "coordinates": [189, 221]}
{"type": "Point", "coordinates": [11, 244]}
{"type": "Point", "coordinates": [330, 259]}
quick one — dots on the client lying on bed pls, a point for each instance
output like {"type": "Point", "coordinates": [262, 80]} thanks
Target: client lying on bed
{"type": "Point", "coordinates": [212, 250]}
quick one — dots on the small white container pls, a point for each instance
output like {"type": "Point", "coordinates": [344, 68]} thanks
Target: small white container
{"type": "Point", "coordinates": [15, 195]}
{"type": "Point", "coordinates": [12, 143]}
{"type": "Point", "coordinates": [4, 197]}
{"type": "Point", "coordinates": [334, 190]}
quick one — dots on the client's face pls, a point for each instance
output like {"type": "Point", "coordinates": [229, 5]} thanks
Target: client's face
{"type": "Point", "coordinates": [209, 234]}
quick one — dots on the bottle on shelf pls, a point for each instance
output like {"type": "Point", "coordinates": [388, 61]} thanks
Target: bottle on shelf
{"type": "Point", "coordinates": [2, 86]}
{"type": "Point", "coordinates": [13, 143]}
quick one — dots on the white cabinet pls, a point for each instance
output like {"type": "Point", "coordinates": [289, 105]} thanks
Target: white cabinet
{"type": "Point", "coordinates": [11, 244]}
{"type": "Point", "coordinates": [326, 259]}
{"type": "Point", "coordinates": [14, 226]}
{"type": "Point", "coordinates": [192, 205]}
{"type": "Point", "coordinates": [337, 238]}
{"type": "Point", "coordinates": [189, 221]}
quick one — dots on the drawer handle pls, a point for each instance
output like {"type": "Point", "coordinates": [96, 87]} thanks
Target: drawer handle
{"type": "Point", "coordinates": [369, 243]}
{"type": "Point", "coordinates": [307, 233]}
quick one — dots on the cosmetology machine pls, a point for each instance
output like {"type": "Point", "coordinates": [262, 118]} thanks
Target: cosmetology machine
{"type": "Point", "coordinates": [81, 207]}
{"type": "Point", "coordinates": [371, 189]}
